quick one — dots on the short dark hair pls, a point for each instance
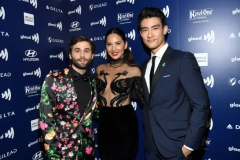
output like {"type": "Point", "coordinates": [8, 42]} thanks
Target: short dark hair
{"type": "Point", "coordinates": [74, 40]}
{"type": "Point", "coordinates": [127, 55]}
{"type": "Point", "coordinates": [150, 12]}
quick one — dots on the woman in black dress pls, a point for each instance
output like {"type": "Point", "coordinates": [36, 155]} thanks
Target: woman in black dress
{"type": "Point", "coordinates": [118, 125]}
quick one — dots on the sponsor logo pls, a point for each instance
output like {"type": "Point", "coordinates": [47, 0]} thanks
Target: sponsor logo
{"type": "Point", "coordinates": [233, 105]}
{"type": "Point", "coordinates": [134, 104]}
{"type": "Point", "coordinates": [93, 70]}
{"type": "Point", "coordinates": [50, 40]}
{"type": "Point", "coordinates": [54, 9]}
{"type": "Point", "coordinates": [2, 13]}
{"type": "Point", "coordinates": [103, 54]}
{"type": "Point", "coordinates": [4, 54]}
{"type": "Point", "coordinates": [33, 90]}
{"type": "Point", "coordinates": [28, 18]}
{"type": "Point", "coordinates": [233, 149]}
{"type": "Point", "coordinates": [37, 73]}
{"type": "Point", "coordinates": [232, 81]}
{"type": "Point", "coordinates": [95, 130]}
{"type": "Point", "coordinates": [235, 11]}
{"type": "Point", "coordinates": [75, 26]}
{"type": "Point", "coordinates": [7, 94]}
{"type": "Point", "coordinates": [208, 37]}
{"type": "Point", "coordinates": [33, 108]}
{"type": "Point", "coordinates": [235, 59]}
{"type": "Point", "coordinates": [6, 115]}
{"type": "Point", "coordinates": [34, 142]}
{"type": "Point", "coordinates": [5, 75]}
{"type": "Point", "coordinates": [60, 56]}
{"type": "Point", "coordinates": [229, 126]}
{"type": "Point", "coordinates": [209, 81]}
{"type": "Point", "coordinates": [210, 122]}
{"type": "Point", "coordinates": [207, 141]}
{"type": "Point", "coordinates": [5, 34]}
{"type": "Point", "coordinates": [201, 15]}
{"type": "Point", "coordinates": [124, 18]}
{"type": "Point", "coordinates": [131, 35]}
{"type": "Point", "coordinates": [34, 124]}
{"type": "Point", "coordinates": [166, 11]}
{"type": "Point", "coordinates": [102, 21]}
{"type": "Point", "coordinates": [34, 37]}
{"type": "Point", "coordinates": [98, 38]}
{"type": "Point", "coordinates": [31, 54]}
{"type": "Point", "coordinates": [57, 25]}
{"type": "Point", "coordinates": [202, 58]}
{"type": "Point", "coordinates": [9, 134]}
{"type": "Point", "coordinates": [78, 11]}
{"type": "Point", "coordinates": [232, 35]}
{"type": "Point", "coordinates": [94, 6]}
{"type": "Point", "coordinates": [5, 155]}
{"type": "Point", "coordinates": [32, 2]}
{"type": "Point", "coordinates": [237, 126]}
{"type": "Point", "coordinates": [38, 156]}
{"type": "Point", "coordinates": [123, 1]}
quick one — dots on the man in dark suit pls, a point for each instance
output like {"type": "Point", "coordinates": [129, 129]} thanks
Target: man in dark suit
{"type": "Point", "coordinates": [177, 103]}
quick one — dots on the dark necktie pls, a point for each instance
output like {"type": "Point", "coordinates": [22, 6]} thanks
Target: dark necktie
{"type": "Point", "coordinates": [84, 77]}
{"type": "Point", "coordinates": [152, 70]}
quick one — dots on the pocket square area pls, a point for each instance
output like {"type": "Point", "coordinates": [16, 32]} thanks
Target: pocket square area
{"type": "Point", "coordinates": [166, 76]}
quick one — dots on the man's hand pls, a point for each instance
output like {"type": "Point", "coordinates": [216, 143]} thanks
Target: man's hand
{"type": "Point", "coordinates": [186, 151]}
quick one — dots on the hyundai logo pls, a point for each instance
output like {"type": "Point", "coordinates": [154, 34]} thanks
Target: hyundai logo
{"type": "Point", "coordinates": [74, 24]}
{"type": "Point", "coordinates": [30, 53]}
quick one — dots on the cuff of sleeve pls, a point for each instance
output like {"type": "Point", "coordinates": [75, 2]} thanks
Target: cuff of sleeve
{"type": "Point", "coordinates": [188, 148]}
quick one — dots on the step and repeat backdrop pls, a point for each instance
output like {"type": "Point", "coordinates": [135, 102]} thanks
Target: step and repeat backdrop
{"type": "Point", "coordinates": [34, 36]}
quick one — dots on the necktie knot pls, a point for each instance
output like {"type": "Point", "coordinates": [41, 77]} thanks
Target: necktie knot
{"type": "Point", "coordinates": [84, 77]}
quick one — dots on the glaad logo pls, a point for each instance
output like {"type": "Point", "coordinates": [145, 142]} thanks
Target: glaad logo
{"type": "Point", "coordinates": [209, 81]}
{"type": "Point", "coordinates": [208, 37]}
{"type": "Point", "coordinates": [232, 81]}
{"type": "Point", "coordinates": [28, 19]}
{"type": "Point", "coordinates": [75, 26]}
{"type": "Point", "coordinates": [30, 54]}
{"type": "Point", "coordinates": [34, 142]}
{"type": "Point", "coordinates": [7, 94]}
{"type": "Point", "coordinates": [54, 9]}
{"type": "Point", "coordinates": [91, 6]}
{"type": "Point", "coordinates": [5, 155]}
{"type": "Point", "coordinates": [34, 37]}
{"type": "Point", "coordinates": [122, 1]}
{"type": "Point", "coordinates": [103, 54]}
{"type": "Point", "coordinates": [34, 124]}
{"type": "Point", "coordinates": [124, 18]}
{"type": "Point", "coordinates": [33, 108]}
{"type": "Point", "coordinates": [50, 40]}
{"type": "Point", "coordinates": [233, 149]}
{"type": "Point", "coordinates": [31, 91]}
{"type": "Point", "coordinates": [235, 59]}
{"type": "Point", "coordinates": [58, 25]}
{"type": "Point", "coordinates": [38, 156]}
{"type": "Point", "coordinates": [234, 105]}
{"type": "Point", "coordinates": [4, 54]}
{"type": "Point", "coordinates": [102, 21]}
{"type": "Point", "coordinates": [5, 34]}
{"type": "Point", "coordinates": [9, 134]}
{"type": "Point", "coordinates": [60, 56]}
{"type": "Point", "coordinates": [134, 104]}
{"type": "Point", "coordinates": [166, 11]}
{"type": "Point", "coordinates": [78, 11]}
{"type": "Point", "coordinates": [233, 12]}
{"type": "Point", "coordinates": [131, 35]}
{"type": "Point", "coordinates": [2, 13]}
{"type": "Point", "coordinates": [37, 73]}
{"type": "Point", "coordinates": [98, 38]}
{"type": "Point", "coordinates": [32, 2]}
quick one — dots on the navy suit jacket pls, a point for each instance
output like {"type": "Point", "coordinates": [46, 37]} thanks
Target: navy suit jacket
{"type": "Point", "coordinates": [177, 108]}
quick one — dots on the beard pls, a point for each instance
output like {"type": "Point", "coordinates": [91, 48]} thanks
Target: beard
{"type": "Point", "coordinates": [79, 66]}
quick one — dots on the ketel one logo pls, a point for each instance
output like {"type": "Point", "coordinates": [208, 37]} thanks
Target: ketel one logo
{"type": "Point", "coordinates": [131, 35]}
{"type": "Point", "coordinates": [9, 134]}
{"type": "Point", "coordinates": [122, 1]}
{"type": "Point", "coordinates": [7, 94]}
{"type": "Point", "coordinates": [232, 81]}
{"type": "Point", "coordinates": [166, 11]}
{"type": "Point", "coordinates": [30, 53]}
{"type": "Point", "coordinates": [209, 81]}
{"type": "Point", "coordinates": [4, 54]}
{"type": "Point", "coordinates": [209, 37]}
{"type": "Point", "coordinates": [2, 13]}
{"type": "Point", "coordinates": [38, 156]}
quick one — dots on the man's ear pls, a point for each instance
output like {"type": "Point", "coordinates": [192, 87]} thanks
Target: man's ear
{"type": "Point", "coordinates": [92, 56]}
{"type": "Point", "coordinates": [165, 29]}
{"type": "Point", "coordinates": [70, 56]}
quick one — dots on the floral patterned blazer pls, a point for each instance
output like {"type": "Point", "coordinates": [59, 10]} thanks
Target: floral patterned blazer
{"type": "Point", "coordinates": [66, 133]}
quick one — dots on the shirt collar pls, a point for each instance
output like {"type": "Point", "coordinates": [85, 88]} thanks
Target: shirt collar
{"type": "Point", "coordinates": [161, 51]}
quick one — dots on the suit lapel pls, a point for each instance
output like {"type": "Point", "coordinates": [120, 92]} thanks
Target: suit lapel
{"type": "Point", "coordinates": [162, 65]}
{"type": "Point", "coordinates": [144, 83]}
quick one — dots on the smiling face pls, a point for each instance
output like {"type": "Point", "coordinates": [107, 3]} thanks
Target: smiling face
{"type": "Point", "coordinates": [153, 33]}
{"type": "Point", "coordinates": [81, 55]}
{"type": "Point", "coordinates": [115, 46]}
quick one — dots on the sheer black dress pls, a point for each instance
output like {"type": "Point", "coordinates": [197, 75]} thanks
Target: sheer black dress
{"type": "Point", "coordinates": [118, 124]}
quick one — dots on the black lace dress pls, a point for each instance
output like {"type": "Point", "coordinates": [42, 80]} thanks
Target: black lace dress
{"type": "Point", "coordinates": [118, 124]}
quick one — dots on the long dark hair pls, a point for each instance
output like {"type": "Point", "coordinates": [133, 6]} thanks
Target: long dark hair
{"type": "Point", "coordinates": [127, 55]}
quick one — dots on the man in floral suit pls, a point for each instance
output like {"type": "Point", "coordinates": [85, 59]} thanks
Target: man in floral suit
{"type": "Point", "coordinates": [68, 103]}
